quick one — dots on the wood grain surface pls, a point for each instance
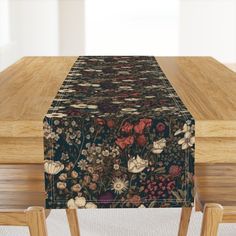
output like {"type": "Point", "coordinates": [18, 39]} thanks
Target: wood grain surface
{"type": "Point", "coordinates": [27, 88]}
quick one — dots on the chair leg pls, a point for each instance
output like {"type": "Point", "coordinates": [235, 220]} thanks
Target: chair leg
{"type": "Point", "coordinates": [184, 221]}
{"type": "Point", "coordinates": [212, 217]}
{"type": "Point", "coordinates": [36, 220]}
{"type": "Point", "coordinates": [73, 222]}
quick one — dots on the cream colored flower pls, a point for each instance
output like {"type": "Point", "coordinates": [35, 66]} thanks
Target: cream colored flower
{"type": "Point", "coordinates": [187, 141]}
{"type": "Point", "coordinates": [80, 201]}
{"type": "Point", "coordinates": [119, 185]}
{"type": "Point", "coordinates": [81, 105]}
{"type": "Point", "coordinates": [63, 177]}
{"type": "Point", "coordinates": [128, 109]}
{"type": "Point", "coordinates": [92, 106]}
{"type": "Point", "coordinates": [116, 167]}
{"type": "Point", "coordinates": [141, 206]}
{"type": "Point", "coordinates": [158, 146]}
{"type": "Point", "coordinates": [136, 165]}
{"type": "Point", "coordinates": [76, 188]}
{"type": "Point", "coordinates": [186, 128]}
{"type": "Point", "coordinates": [61, 185]}
{"type": "Point", "coordinates": [71, 204]}
{"type": "Point", "coordinates": [90, 205]}
{"type": "Point", "coordinates": [60, 115]}
{"type": "Point", "coordinates": [53, 167]}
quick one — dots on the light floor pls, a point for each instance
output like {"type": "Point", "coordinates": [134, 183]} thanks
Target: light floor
{"type": "Point", "coordinates": [121, 222]}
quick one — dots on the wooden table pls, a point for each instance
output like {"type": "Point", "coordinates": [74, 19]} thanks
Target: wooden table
{"type": "Point", "coordinates": [27, 88]}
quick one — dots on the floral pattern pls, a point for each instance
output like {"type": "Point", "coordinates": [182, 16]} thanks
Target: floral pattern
{"type": "Point", "coordinates": [118, 136]}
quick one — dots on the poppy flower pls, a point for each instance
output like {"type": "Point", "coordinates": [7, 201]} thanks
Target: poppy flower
{"type": "Point", "coordinates": [127, 127]}
{"type": "Point", "coordinates": [139, 127]}
{"type": "Point", "coordinates": [123, 142]}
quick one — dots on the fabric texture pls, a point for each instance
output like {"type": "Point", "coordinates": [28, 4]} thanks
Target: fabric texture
{"type": "Point", "coordinates": [118, 136]}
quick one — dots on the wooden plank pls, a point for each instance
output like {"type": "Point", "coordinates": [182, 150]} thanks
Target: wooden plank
{"type": "Point", "coordinates": [9, 217]}
{"type": "Point", "coordinates": [26, 91]}
{"type": "Point", "coordinates": [21, 150]}
{"type": "Point", "coordinates": [21, 186]}
{"type": "Point", "coordinates": [215, 183]}
{"type": "Point", "coordinates": [215, 128]}
{"type": "Point", "coordinates": [207, 88]}
{"type": "Point", "coordinates": [28, 87]}
{"type": "Point", "coordinates": [215, 150]}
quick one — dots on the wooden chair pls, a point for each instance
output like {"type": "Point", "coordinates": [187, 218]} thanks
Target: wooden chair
{"type": "Point", "coordinates": [215, 197]}
{"type": "Point", "coordinates": [22, 186]}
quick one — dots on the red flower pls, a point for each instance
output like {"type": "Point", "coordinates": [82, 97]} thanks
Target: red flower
{"type": "Point", "coordinates": [147, 122]}
{"type": "Point", "coordinates": [160, 127]}
{"type": "Point", "coordinates": [127, 127]}
{"type": "Point", "coordinates": [139, 127]}
{"type": "Point", "coordinates": [100, 121]}
{"type": "Point", "coordinates": [123, 142]}
{"type": "Point", "coordinates": [110, 123]}
{"type": "Point", "coordinates": [141, 140]}
{"type": "Point", "coordinates": [175, 170]}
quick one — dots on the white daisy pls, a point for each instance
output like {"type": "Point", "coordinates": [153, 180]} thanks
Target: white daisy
{"type": "Point", "coordinates": [119, 185]}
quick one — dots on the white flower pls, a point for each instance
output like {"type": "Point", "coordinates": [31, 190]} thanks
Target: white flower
{"type": "Point", "coordinates": [92, 106]}
{"type": "Point", "coordinates": [84, 84]}
{"type": "Point", "coordinates": [141, 206]}
{"type": "Point", "coordinates": [158, 146]}
{"type": "Point", "coordinates": [129, 109]}
{"type": "Point", "coordinates": [187, 141]}
{"type": "Point", "coordinates": [185, 129]}
{"type": "Point", "coordinates": [116, 166]}
{"type": "Point", "coordinates": [53, 167]}
{"type": "Point", "coordinates": [132, 99]}
{"type": "Point", "coordinates": [55, 115]}
{"type": "Point", "coordinates": [119, 185]}
{"type": "Point", "coordinates": [90, 205]}
{"type": "Point", "coordinates": [81, 105]}
{"type": "Point", "coordinates": [71, 204]}
{"type": "Point", "coordinates": [136, 165]}
{"type": "Point", "coordinates": [105, 153]}
{"type": "Point", "coordinates": [80, 201]}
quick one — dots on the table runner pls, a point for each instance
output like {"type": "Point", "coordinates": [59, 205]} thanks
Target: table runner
{"type": "Point", "coordinates": [118, 136]}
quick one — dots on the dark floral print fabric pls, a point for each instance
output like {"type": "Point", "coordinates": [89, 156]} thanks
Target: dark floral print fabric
{"type": "Point", "coordinates": [118, 136]}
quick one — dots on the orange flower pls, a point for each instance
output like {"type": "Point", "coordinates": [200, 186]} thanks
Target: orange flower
{"type": "Point", "coordinates": [127, 127]}
{"type": "Point", "coordinates": [123, 142]}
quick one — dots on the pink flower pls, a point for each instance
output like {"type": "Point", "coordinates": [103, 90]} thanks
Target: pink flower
{"type": "Point", "coordinates": [127, 127]}
{"type": "Point", "coordinates": [175, 170]}
{"type": "Point", "coordinates": [160, 127]}
{"type": "Point", "coordinates": [123, 142]}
